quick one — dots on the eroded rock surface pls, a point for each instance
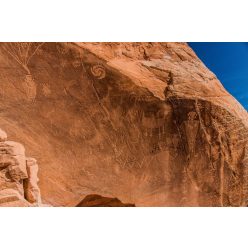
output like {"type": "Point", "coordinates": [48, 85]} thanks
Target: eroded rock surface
{"type": "Point", "coordinates": [15, 171]}
{"type": "Point", "coordinates": [147, 123]}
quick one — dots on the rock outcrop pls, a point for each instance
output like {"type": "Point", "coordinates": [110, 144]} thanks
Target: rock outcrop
{"type": "Point", "coordinates": [101, 201]}
{"type": "Point", "coordinates": [146, 123]}
{"type": "Point", "coordinates": [18, 175]}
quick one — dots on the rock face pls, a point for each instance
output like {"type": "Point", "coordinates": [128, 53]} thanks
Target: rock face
{"type": "Point", "coordinates": [100, 201]}
{"type": "Point", "coordinates": [146, 123]}
{"type": "Point", "coordinates": [15, 172]}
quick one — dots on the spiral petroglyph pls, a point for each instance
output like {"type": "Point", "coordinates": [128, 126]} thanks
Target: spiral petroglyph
{"type": "Point", "coordinates": [98, 71]}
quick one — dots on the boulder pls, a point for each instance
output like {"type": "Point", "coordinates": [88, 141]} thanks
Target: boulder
{"type": "Point", "coordinates": [101, 201]}
{"type": "Point", "coordinates": [18, 177]}
{"type": "Point", "coordinates": [13, 155]}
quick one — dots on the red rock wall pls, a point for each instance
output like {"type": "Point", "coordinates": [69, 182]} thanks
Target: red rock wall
{"type": "Point", "coordinates": [147, 123]}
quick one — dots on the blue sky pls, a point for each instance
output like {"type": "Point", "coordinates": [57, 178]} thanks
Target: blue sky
{"type": "Point", "coordinates": [229, 62]}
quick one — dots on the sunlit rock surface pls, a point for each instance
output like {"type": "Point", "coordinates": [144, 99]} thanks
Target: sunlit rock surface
{"type": "Point", "coordinates": [146, 123]}
{"type": "Point", "coordinates": [15, 172]}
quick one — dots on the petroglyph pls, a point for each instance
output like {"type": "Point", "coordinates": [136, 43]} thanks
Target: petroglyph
{"type": "Point", "coordinates": [98, 71]}
{"type": "Point", "coordinates": [144, 122]}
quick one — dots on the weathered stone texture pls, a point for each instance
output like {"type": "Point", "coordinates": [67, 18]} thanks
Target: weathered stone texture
{"type": "Point", "coordinates": [15, 170]}
{"type": "Point", "coordinates": [146, 123]}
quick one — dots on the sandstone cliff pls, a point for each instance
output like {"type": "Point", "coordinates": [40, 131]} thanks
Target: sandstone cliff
{"type": "Point", "coordinates": [146, 123]}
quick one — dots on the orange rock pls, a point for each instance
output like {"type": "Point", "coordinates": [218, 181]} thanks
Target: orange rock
{"type": "Point", "coordinates": [146, 123]}
{"type": "Point", "coordinates": [18, 177]}
{"type": "Point", "coordinates": [101, 201]}
{"type": "Point", "coordinates": [31, 188]}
